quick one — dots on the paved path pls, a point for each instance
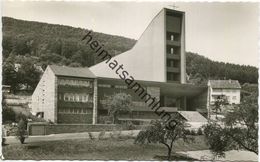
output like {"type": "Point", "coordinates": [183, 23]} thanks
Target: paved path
{"type": "Point", "coordinates": [67, 136]}
{"type": "Point", "coordinates": [230, 155]}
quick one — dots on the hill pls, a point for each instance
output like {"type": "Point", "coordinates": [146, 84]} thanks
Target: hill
{"type": "Point", "coordinates": [58, 44]}
{"type": "Point", "coordinates": [39, 43]}
{"type": "Point", "coordinates": [201, 69]}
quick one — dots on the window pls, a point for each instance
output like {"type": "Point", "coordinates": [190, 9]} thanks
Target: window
{"type": "Point", "coordinates": [172, 51]}
{"type": "Point", "coordinates": [172, 37]}
{"type": "Point", "coordinates": [73, 97]}
{"type": "Point", "coordinates": [60, 96]}
{"type": "Point", "coordinates": [79, 111]}
{"type": "Point", "coordinates": [104, 85]}
{"type": "Point", "coordinates": [70, 97]}
{"type": "Point", "coordinates": [77, 98]}
{"type": "Point", "coordinates": [66, 110]}
{"type": "Point", "coordinates": [228, 98]}
{"type": "Point", "coordinates": [234, 97]}
{"type": "Point", "coordinates": [80, 98]}
{"type": "Point", "coordinates": [66, 97]}
{"type": "Point", "coordinates": [84, 111]}
{"type": "Point", "coordinates": [120, 86]}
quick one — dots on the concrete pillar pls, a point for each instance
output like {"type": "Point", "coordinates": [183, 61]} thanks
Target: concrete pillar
{"type": "Point", "coordinates": [55, 100]}
{"type": "Point", "coordinates": [95, 102]}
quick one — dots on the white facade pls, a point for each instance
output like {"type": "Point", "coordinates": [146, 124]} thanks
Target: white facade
{"type": "Point", "coordinates": [232, 94]}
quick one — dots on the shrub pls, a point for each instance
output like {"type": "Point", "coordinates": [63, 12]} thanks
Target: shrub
{"type": "Point", "coordinates": [3, 141]}
{"type": "Point", "coordinates": [8, 115]}
{"type": "Point", "coordinates": [187, 132]}
{"type": "Point", "coordinates": [192, 132]}
{"type": "Point", "coordinates": [199, 132]}
{"type": "Point", "coordinates": [101, 135]}
{"type": "Point", "coordinates": [91, 136]}
{"type": "Point", "coordinates": [129, 125]}
{"type": "Point", "coordinates": [115, 134]}
{"type": "Point", "coordinates": [20, 116]}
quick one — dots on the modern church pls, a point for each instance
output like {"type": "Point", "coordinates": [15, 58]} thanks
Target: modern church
{"type": "Point", "coordinates": [152, 72]}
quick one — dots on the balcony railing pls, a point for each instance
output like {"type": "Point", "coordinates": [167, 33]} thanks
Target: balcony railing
{"type": "Point", "coordinates": [78, 89]}
{"type": "Point", "coordinates": [173, 69]}
{"type": "Point", "coordinates": [173, 42]}
{"type": "Point", "coordinates": [173, 56]}
{"type": "Point", "coordinates": [71, 104]}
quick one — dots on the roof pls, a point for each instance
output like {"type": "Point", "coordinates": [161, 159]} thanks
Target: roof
{"type": "Point", "coordinates": [226, 84]}
{"type": "Point", "coordinates": [72, 71]}
{"type": "Point", "coordinates": [192, 116]}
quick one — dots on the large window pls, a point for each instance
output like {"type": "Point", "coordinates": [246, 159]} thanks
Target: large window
{"type": "Point", "coordinates": [74, 111]}
{"type": "Point", "coordinates": [75, 82]}
{"type": "Point", "coordinates": [72, 97]}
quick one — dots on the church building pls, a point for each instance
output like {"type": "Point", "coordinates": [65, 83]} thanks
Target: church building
{"type": "Point", "coordinates": [157, 64]}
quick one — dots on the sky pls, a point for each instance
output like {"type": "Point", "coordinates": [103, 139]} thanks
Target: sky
{"type": "Point", "coordinates": [225, 32]}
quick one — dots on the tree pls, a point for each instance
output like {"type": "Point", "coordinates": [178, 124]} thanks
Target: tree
{"type": "Point", "coordinates": [118, 103]}
{"type": "Point", "coordinates": [158, 132]}
{"type": "Point", "coordinates": [28, 73]}
{"type": "Point", "coordinates": [10, 75]}
{"type": "Point", "coordinates": [220, 101]}
{"type": "Point", "coordinates": [8, 114]}
{"type": "Point", "coordinates": [238, 129]}
{"type": "Point", "coordinates": [22, 129]}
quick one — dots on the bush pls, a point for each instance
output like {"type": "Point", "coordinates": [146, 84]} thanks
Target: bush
{"type": "Point", "coordinates": [91, 136]}
{"type": "Point", "coordinates": [8, 115]}
{"type": "Point", "coordinates": [101, 135]}
{"type": "Point", "coordinates": [3, 141]}
{"type": "Point", "coordinates": [199, 132]}
{"type": "Point", "coordinates": [187, 132]}
{"type": "Point", "coordinates": [129, 125]}
{"type": "Point", "coordinates": [192, 132]}
{"type": "Point", "coordinates": [115, 134]}
{"type": "Point", "coordinates": [20, 116]}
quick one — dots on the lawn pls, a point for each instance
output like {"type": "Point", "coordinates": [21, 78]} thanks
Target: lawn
{"type": "Point", "coordinates": [105, 149]}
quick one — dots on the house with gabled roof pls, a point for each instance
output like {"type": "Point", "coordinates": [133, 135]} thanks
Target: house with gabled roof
{"type": "Point", "coordinates": [228, 88]}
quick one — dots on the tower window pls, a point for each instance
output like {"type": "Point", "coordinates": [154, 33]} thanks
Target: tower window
{"type": "Point", "coordinates": [172, 37]}
{"type": "Point", "coordinates": [172, 51]}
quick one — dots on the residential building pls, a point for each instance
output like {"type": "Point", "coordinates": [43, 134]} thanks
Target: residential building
{"type": "Point", "coordinates": [228, 88]}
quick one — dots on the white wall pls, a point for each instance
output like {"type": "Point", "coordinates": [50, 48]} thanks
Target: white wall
{"type": "Point", "coordinates": [44, 97]}
{"type": "Point", "coordinates": [147, 59]}
{"type": "Point", "coordinates": [230, 93]}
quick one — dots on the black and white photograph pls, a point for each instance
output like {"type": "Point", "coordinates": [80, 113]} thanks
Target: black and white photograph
{"type": "Point", "coordinates": [130, 80]}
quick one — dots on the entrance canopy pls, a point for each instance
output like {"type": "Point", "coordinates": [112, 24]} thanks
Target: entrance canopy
{"type": "Point", "coordinates": [167, 89]}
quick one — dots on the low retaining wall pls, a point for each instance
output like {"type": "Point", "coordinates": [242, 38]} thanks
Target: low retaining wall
{"type": "Point", "coordinates": [35, 129]}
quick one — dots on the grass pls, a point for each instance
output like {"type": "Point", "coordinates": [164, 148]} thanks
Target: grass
{"type": "Point", "coordinates": [106, 149]}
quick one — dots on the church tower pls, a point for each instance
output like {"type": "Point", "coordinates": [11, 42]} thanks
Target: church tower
{"type": "Point", "coordinates": [158, 55]}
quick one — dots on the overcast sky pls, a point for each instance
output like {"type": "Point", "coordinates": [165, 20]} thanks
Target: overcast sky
{"type": "Point", "coordinates": [220, 31]}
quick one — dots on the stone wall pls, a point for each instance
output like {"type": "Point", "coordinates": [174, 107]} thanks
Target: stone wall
{"type": "Point", "coordinates": [75, 118]}
{"type": "Point", "coordinates": [47, 129]}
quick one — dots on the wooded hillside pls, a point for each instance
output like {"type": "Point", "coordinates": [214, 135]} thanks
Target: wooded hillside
{"type": "Point", "coordinates": [33, 43]}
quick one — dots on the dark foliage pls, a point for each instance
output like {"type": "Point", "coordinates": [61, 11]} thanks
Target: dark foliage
{"type": "Point", "coordinates": [200, 69]}
{"type": "Point", "coordinates": [21, 132]}
{"type": "Point", "coordinates": [158, 132]}
{"type": "Point", "coordinates": [56, 44]}
{"type": "Point", "coordinates": [239, 129]}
